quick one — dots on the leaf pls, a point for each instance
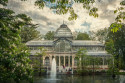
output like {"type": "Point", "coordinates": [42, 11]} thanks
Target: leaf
{"type": "Point", "coordinates": [40, 3]}
{"type": "Point", "coordinates": [115, 11]}
{"type": "Point", "coordinates": [122, 3]}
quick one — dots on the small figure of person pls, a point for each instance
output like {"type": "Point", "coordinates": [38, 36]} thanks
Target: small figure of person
{"type": "Point", "coordinates": [63, 67]}
{"type": "Point", "coordinates": [69, 69]}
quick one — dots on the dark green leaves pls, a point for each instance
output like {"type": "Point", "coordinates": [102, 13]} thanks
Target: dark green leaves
{"type": "Point", "coordinates": [24, 17]}
{"type": "Point", "coordinates": [14, 61]}
{"type": "Point", "coordinates": [40, 3]}
{"type": "Point", "coordinates": [93, 12]}
{"type": "Point", "coordinates": [65, 6]}
{"type": "Point", "coordinates": [120, 11]}
{"type": "Point", "coordinates": [122, 3]}
{"type": "Point", "coordinates": [49, 35]}
{"type": "Point", "coordinates": [73, 15]}
{"type": "Point", "coordinates": [82, 36]}
{"type": "Point", "coordinates": [3, 2]}
{"type": "Point", "coordinates": [115, 11]}
{"type": "Point", "coordinates": [115, 42]}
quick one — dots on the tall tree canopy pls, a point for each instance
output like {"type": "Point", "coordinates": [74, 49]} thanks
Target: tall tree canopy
{"type": "Point", "coordinates": [115, 43]}
{"type": "Point", "coordinates": [28, 31]}
{"type": "Point", "coordinates": [100, 35]}
{"type": "Point", "coordinates": [49, 35]}
{"type": "Point", "coordinates": [82, 36]}
{"type": "Point", "coordinates": [14, 61]}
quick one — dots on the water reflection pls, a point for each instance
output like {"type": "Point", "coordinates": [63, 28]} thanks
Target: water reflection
{"type": "Point", "coordinates": [81, 79]}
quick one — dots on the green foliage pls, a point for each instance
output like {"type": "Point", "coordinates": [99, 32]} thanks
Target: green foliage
{"type": "Point", "coordinates": [82, 36]}
{"type": "Point", "coordinates": [115, 27]}
{"type": "Point", "coordinates": [110, 47]}
{"type": "Point", "coordinates": [86, 64]}
{"type": "Point", "coordinates": [28, 31]}
{"type": "Point", "coordinates": [122, 3]}
{"type": "Point", "coordinates": [81, 56]}
{"type": "Point", "coordinates": [14, 61]}
{"type": "Point", "coordinates": [120, 11]}
{"type": "Point", "coordinates": [65, 6]}
{"type": "Point", "coordinates": [4, 2]}
{"type": "Point", "coordinates": [100, 35]}
{"type": "Point", "coordinates": [115, 11]}
{"type": "Point", "coordinates": [24, 18]}
{"type": "Point", "coordinates": [113, 69]}
{"type": "Point", "coordinates": [93, 12]}
{"type": "Point", "coordinates": [83, 72]}
{"type": "Point", "coordinates": [49, 35]}
{"type": "Point", "coordinates": [40, 3]}
{"type": "Point", "coordinates": [115, 44]}
{"type": "Point", "coordinates": [37, 64]}
{"type": "Point", "coordinates": [73, 15]}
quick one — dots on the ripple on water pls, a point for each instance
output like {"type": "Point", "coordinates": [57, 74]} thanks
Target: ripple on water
{"type": "Point", "coordinates": [52, 79]}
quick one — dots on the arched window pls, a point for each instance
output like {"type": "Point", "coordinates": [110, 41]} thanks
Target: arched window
{"type": "Point", "coordinates": [47, 61]}
{"type": "Point", "coordinates": [63, 46]}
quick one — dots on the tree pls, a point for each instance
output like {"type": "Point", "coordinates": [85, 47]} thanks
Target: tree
{"type": "Point", "coordinates": [120, 18]}
{"type": "Point", "coordinates": [82, 36]}
{"type": "Point", "coordinates": [28, 31]}
{"type": "Point", "coordinates": [115, 44]}
{"type": "Point", "coordinates": [14, 56]}
{"type": "Point", "coordinates": [49, 35]}
{"type": "Point", "coordinates": [81, 56]}
{"type": "Point", "coordinates": [100, 35]}
{"type": "Point", "coordinates": [38, 63]}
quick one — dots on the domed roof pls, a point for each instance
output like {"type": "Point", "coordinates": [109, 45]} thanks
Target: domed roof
{"type": "Point", "coordinates": [63, 31]}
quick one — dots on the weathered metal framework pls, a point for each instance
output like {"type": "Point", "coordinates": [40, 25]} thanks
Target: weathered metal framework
{"type": "Point", "coordinates": [64, 48]}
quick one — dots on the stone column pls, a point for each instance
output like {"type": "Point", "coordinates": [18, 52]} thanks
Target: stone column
{"type": "Point", "coordinates": [59, 60]}
{"type": "Point", "coordinates": [69, 61]}
{"type": "Point", "coordinates": [72, 61]}
{"type": "Point", "coordinates": [64, 60]}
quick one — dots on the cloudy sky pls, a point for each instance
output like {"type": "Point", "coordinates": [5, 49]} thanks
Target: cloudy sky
{"type": "Point", "coordinates": [48, 20]}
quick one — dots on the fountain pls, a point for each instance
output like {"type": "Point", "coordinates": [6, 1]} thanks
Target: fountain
{"type": "Point", "coordinates": [53, 69]}
{"type": "Point", "coordinates": [52, 78]}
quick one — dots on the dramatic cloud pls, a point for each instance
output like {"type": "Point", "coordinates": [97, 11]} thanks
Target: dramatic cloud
{"type": "Point", "coordinates": [48, 20]}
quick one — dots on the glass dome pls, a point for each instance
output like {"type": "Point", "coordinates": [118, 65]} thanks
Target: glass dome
{"type": "Point", "coordinates": [63, 31]}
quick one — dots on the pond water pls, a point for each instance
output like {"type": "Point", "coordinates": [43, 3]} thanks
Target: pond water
{"type": "Point", "coordinates": [80, 79]}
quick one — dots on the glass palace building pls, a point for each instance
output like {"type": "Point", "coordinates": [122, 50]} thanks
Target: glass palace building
{"type": "Point", "coordinates": [64, 49]}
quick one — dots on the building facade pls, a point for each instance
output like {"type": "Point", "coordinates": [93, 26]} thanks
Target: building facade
{"type": "Point", "coordinates": [64, 49]}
